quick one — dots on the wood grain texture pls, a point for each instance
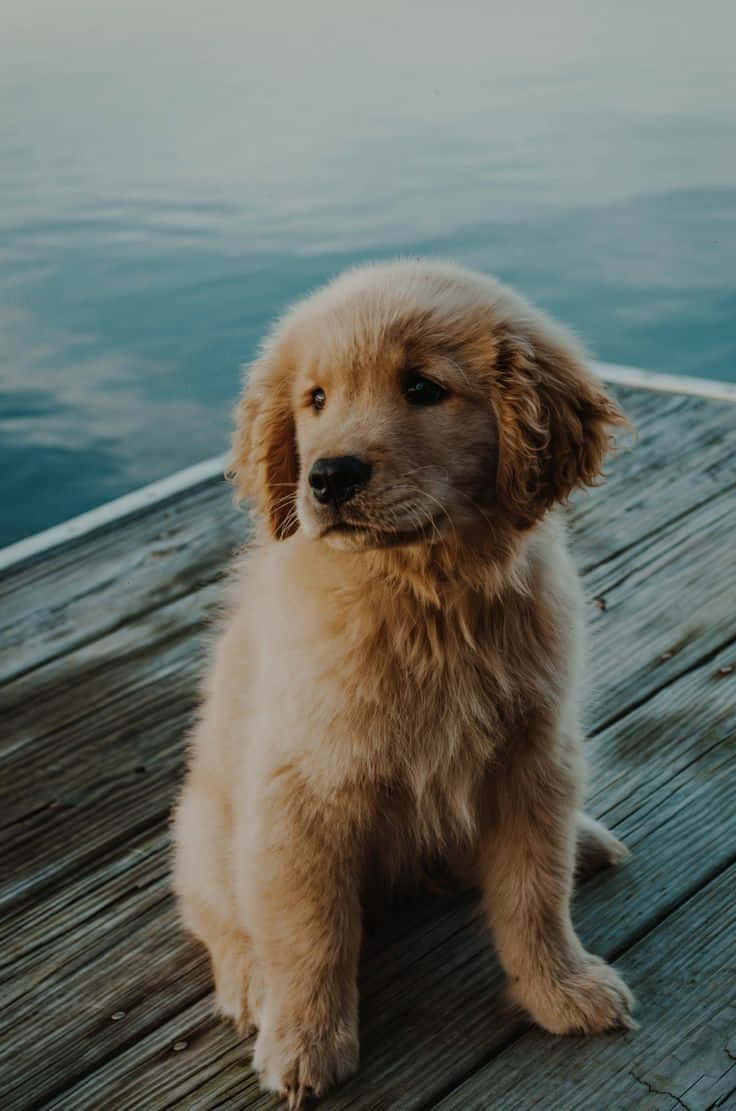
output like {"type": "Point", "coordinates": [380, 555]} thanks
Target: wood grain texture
{"type": "Point", "coordinates": [443, 1016]}
{"type": "Point", "coordinates": [97, 687]}
{"type": "Point", "coordinates": [684, 1054]}
{"type": "Point", "coordinates": [97, 584]}
{"type": "Point", "coordinates": [432, 991]}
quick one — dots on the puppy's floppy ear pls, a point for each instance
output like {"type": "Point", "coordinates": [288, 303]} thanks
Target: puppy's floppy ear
{"type": "Point", "coordinates": [264, 464]}
{"type": "Point", "coordinates": [554, 420]}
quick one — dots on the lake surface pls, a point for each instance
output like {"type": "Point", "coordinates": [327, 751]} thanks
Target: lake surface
{"type": "Point", "coordinates": [170, 179]}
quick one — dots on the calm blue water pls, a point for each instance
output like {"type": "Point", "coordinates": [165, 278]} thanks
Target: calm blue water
{"type": "Point", "coordinates": [172, 175]}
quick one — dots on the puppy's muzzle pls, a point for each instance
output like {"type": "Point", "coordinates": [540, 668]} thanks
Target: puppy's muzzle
{"type": "Point", "coordinates": [338, 479]}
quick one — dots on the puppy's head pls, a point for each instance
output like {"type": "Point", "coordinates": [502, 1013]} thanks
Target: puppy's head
{"type": "Point", "coordinates": [411, 401]}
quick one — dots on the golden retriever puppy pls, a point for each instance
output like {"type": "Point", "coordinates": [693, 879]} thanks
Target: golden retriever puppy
{"type": "Point", "coordinates": [398, 681]}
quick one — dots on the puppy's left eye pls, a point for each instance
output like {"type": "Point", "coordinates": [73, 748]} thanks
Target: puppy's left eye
{"type": "Point", "coordinates": [419, 390]}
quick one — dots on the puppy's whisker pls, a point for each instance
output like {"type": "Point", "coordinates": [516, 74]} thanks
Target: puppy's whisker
{"type": "Point", "coordinates": [444, 511]}
{"type": "Point", "coordinates": [418, 470]}
{"type": "Point", "coordinates": [285, 499]}
{"type": "Point", "coordinates": [423, 518]}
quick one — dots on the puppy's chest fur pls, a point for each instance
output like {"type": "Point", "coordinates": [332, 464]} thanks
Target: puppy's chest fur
{"type": "Point", "coordinates": [412, 703]}
{"type": "Point", "coordinates": [455, 694]}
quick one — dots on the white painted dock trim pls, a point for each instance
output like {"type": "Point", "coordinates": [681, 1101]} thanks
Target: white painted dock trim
{"type": "Point", "coordinates": [112, 511]}
{"type": "Point", "coordinates": [667, 383]}
{"type": "Point", "coordinates": [208, 469]}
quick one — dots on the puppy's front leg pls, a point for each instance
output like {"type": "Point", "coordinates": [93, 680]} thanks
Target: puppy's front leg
{"type": "Point", "coordinates": [300, 893]}
{"type": "Point", "coordinates": [528, 863]}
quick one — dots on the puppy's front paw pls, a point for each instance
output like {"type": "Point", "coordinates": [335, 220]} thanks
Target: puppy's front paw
{"type": "Point", "coordinates": [588, 1000]}
{"type": "Point", "coordinates": [301, 1066]}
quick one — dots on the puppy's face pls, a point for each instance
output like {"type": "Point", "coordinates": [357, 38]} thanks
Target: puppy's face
{"type": "Point", "coordinates": [395, 445]}
{"type": "Point", "coordinates": [412, 402]}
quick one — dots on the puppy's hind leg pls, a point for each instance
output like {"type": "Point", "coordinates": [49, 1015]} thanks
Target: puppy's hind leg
{"type": "Point", "coordinates": [202, 881]}
{"type": "Point", "coordinates": [596, 847]}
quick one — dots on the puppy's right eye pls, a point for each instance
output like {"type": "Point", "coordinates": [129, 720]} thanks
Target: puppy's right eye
{"type": "Point", "coordinates": [318, 398]}
{"type": "Point", "coordinates": [419, 390]}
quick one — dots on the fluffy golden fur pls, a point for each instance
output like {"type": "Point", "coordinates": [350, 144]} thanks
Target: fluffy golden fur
{"type": "Point", "coordinates": [398, 681]}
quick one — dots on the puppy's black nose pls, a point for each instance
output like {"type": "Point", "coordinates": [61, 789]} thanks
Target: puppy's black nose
{"type": "Point", "coordinates": [338, 479]}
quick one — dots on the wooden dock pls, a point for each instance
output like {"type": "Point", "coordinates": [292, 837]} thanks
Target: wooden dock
{"type": "Point", "coordinates": [106, 1004]}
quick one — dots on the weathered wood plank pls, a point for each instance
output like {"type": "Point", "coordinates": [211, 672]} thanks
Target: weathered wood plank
{"type": "Point", "coordinates": [431, 1008]}
{"type": "Point", "coordinates": [97, 584]}
{"type": "Point", "coordinates": [110, 776]}
{"type": "Point", "coordinates": [684, 1055]}
{"type": "Point", "coordinates": [666, 603]}
{"type": "Point", "coordinates": [36, 705]}
{"type": "Point", "coordinates": [681, 458]}
{"type": "Point", "coordinates": [32, 943]}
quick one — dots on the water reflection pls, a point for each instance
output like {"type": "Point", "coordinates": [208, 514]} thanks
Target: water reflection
{"type": "Point", "coordinates": [171, 178]}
